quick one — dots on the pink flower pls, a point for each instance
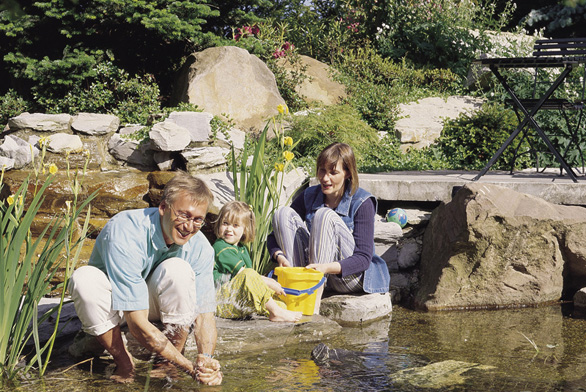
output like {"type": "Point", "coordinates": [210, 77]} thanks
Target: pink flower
{"type": "Point", "coordinates": [287, 46]}
{"type": "Point", "coordinates": [246, 31]}
{"type": "Point", "coordinates": [279, 53]}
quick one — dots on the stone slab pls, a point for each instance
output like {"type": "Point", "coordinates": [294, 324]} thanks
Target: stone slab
{"type": "Point", "coordinates": [437, 186]}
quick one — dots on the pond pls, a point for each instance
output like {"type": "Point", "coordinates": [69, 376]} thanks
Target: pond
{"type": "Point", "coordinates": [528, 349]}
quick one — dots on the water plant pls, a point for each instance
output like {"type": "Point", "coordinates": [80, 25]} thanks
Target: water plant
{"type": "Point", "coordinates": [28, 265]}
{"type": "Point", "coordinates": [260, 184]}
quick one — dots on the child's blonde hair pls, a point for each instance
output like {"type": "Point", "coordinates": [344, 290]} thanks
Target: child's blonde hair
{"type": "Point", "coordinates": [237, 212]}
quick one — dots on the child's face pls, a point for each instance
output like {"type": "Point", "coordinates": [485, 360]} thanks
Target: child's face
{"type": "Point", "coordinates": [231, 232]}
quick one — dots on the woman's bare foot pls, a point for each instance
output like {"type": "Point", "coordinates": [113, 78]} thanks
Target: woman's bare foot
{"type": "Point", "coordinates": [277, 313]}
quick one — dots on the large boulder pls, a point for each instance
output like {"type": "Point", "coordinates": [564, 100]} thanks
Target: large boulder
{"type": "Point", "coordinates": [494, 247]}
{"type": "Point", "coordinates": [317, 84]}
{"type": "Point", "coordinates": [229, 80]}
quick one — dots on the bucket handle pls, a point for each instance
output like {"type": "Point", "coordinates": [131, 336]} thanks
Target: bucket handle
{"type": "Point", "coordinates": [309, 291]}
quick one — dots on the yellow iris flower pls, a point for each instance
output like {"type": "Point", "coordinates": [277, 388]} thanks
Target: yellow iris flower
{"type": "Point", "coordinates": [288, 141]}
{"type": "Point", "coordinates": [288, 155]}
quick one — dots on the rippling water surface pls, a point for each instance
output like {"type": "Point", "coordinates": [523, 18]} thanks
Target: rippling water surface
{"type": "Point", "coordinates": [531, 349]}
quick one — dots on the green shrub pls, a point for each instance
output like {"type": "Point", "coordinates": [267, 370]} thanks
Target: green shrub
{"type": "Point", "coordinates": [376, 86]}
{"type": "Point", "coordinates": [377, 104]}
{"type": "Point", "coordinates": [340, 123]}
{"type": "Point", "coordinates": [11, 105]}
{"type": "Point", "coordinates": [365, 64]}
{"type": "Point", "coordinates": [386, 155]}
{"type": "Point", "coordinates": [469, 141]}
{"type": "Point", "coordinates": [110, 90]}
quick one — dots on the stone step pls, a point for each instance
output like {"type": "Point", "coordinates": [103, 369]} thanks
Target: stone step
{"type": "Point", "coordinates": [437, 186]}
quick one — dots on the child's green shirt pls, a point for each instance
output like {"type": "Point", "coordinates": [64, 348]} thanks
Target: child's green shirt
{"type": "Point", "coordinates": [230, 259]}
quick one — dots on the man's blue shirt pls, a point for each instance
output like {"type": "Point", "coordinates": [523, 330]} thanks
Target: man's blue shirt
{"type": "Point", "coordinates": [131, 246]}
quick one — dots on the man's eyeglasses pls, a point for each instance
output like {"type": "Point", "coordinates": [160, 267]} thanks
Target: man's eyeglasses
{"type": "Point", "coordinates": [183, 217]}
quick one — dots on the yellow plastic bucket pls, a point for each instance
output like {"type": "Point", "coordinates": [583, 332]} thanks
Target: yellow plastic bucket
{"type": "Point", "coordinates": [300, 285]}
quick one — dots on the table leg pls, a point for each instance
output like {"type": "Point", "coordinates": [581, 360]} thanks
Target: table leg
{"type": "Point", "coordinates": [529, 118]}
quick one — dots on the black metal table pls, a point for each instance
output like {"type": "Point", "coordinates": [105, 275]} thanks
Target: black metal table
{"type": "Point", "coordinates": [567, 63]}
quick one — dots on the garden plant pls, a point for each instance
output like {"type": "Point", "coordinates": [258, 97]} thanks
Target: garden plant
{"type": "Point", "coordinates": [28, 265]}
{"type": "Point", "coordinates": [260, 184]}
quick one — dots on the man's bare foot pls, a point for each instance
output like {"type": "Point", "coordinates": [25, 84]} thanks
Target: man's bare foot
{"type": "Point", "coordinates": [284, 315]}
{"type": "Point", "coordinates": [122, 376]}
{"type": "Point", "coordinates": [164, 369]}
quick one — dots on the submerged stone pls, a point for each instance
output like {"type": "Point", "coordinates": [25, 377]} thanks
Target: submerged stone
{"type": "Point", "coordinates": [439, 375]}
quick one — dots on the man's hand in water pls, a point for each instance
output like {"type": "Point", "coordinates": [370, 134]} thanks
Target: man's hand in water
{"type": "Point", "coordinates": [207, 370]}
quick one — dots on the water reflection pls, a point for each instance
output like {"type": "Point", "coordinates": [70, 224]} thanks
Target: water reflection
{"type": "Point", "coordinates": [532, 349]}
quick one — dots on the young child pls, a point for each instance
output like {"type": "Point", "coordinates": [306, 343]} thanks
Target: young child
{"type": "Point", "coordinates": [243, 291]}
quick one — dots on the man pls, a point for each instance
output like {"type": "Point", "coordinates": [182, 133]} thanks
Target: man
{"type": "Point", "coordinates": [154, 265]}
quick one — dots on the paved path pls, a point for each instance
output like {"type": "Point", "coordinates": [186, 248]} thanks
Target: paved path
{"type": "Point", "coordinates": [438, 185]}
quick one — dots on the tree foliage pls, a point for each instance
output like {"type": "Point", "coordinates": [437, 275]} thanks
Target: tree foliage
{"type": "Point", "coordinates": [562, 20]}
{"type": "Point", "coordinates": [52, 45]}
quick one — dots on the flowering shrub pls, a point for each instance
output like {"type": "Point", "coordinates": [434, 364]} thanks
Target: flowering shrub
{"type": "Point", "coordinates": [283, 50]}
{"type": "Point", "coordinates": [431, 33]}
{"type": "Point", "coordinates": [270, 44]}
{"type": "Point", "coordinates": [246, 31]}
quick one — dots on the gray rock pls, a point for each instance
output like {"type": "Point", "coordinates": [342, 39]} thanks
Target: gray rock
{"type": "Point", "coordinates": [69, 324]}
{"type": "Point", "coordinates": [386, 237]}
{"type": "Point", "coordinates": [164, 160]}
{"type": "Point", "coordinates": [202, 159]}
{"type": "Point", "coordinates": [229, 80]}
{"type": "Point", "coordinates": [95, 124]}
{"type": "Point", "coordinates": [61, 143]}
{"type": "Point", "coordinates": [121, 148]}
{"type": "Point", "coordinates": [40, 122]}
{"type": "Point", "coordinates": [168, 136]}
{"type": "Point", "coordinates": [491, 246]}
{"type": "Point", "coordinates": [235, 137]}
{"type": "Point", "coordinates": [85, 346]}
{"type": "Point", "coordinates": [409, 254]}
{"type": "Point", "coordinates": [19, 150]}
{"type": "Point", "coordinates": [350, 309]}
{"type": "Point", "coordinates": [197, 123]}
{"type": "Point", "coordinates": [130, 129]}
{"type": "Point", "coordinates": [417, 217]}
{"type": "Point", "coordinates": [580, 298]}
{"type": "Point", "coordinates": [402, 285]}
{"type": "Point", "coordinates": [6, 163]}
{"type": "Point", "coordinates": [132, 152]}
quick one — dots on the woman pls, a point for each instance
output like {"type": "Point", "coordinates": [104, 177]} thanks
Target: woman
{"type": "Point", "coordinates": [330, 228]}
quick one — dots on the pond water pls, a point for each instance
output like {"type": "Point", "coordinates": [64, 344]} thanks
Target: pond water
{"type": "Point", "coordinates": [529, 349]}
